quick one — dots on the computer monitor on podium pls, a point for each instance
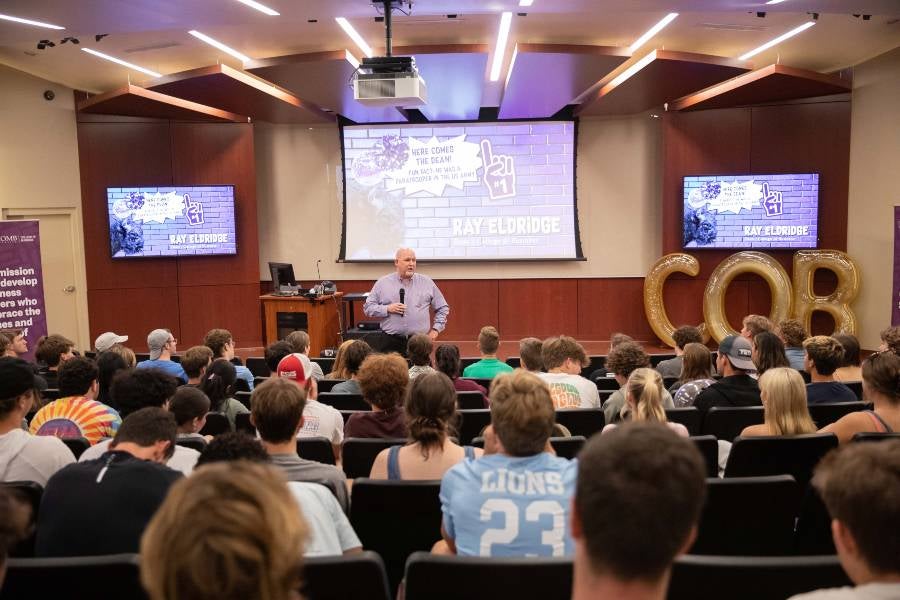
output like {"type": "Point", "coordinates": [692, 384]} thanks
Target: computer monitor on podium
{"type": "Point", "coordinates": [282, 275]}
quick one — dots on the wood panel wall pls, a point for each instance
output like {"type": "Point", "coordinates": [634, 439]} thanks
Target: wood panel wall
{"type": "Point", "coordinates": [187, 295]}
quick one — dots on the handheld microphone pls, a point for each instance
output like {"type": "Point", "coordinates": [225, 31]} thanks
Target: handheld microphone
{"type": "Point", "coordinates": [402, 294]}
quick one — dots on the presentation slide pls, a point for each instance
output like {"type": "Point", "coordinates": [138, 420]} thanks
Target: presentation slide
{"type": "Point", "coordinates": [751, 211]}
{"type": "Point", "coordinates": [171, 221]}
{"type": "Point", "coordinates": [460, 191]}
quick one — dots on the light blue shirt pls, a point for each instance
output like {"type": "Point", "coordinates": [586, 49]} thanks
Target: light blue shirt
{"type": "Point", "coordinates": [421, 293]}
{"type": "Point", "coordinates": [168, 366]}
{"type": "Point", "coordinates": [502, 505]}
{"type": "Point", "coordinates": [245, 374]}
{"type": "Point", "coordinates": [795, 357]}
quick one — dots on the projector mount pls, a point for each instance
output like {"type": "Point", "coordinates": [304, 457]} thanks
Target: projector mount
{"type": "Point", "coordinates": [388, 7]}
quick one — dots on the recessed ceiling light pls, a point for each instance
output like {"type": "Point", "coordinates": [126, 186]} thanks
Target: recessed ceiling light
{"type": "Point", "coordinates": [354, 35]}
{"type": "Point", "coordinates": [217, 44]}
{"type": "Point", "coordinates": [500, 48]}
{"type": "Point", "coordinates": [526, 2]}
{"type": "Point", "coordinates": [122, 62]}
{"type": "Point", "coordinates": [351, 59]}
{"type": "Point", "coordinates": [29, 22]}
{"type": "Point", "coordinates": [778, 40]}
{"type": "Point", "coordinates": [775, 1]}
{"type": "Point", "coordinates": [652, 31]}
{"type": "Point", "coordinates": [260, 7]}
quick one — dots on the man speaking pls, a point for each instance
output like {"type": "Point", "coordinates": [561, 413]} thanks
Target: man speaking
{"type": "Point", "coordinates": [402, 300]}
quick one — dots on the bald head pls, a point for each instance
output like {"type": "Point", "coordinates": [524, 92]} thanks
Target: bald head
{"type": "Point", "coordinates": [405, 262]}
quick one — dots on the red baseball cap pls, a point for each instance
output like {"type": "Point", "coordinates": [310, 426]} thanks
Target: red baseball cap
{"type": "Point", "coordinates": [296, 367]}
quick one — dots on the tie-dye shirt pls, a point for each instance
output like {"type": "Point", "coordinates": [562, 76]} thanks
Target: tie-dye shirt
{"type": "Point", "coordinates": [74, 417]}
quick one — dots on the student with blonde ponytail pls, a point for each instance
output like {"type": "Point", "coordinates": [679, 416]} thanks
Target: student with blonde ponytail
{"type": "Point", "coordinates": [644, 398]}
{"type": "Point", "coordinates": [783, 395]}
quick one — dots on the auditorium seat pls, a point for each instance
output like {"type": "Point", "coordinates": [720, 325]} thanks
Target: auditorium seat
{"type": "Point", "coordinates": [257, 365]}
{"type": "Point", "coordinates": [216, 423]}
{"type": "Point", "coordinates": [668, 382]}
{"type": "Point", "coordinates": [807, 378]}
{"type": "Point", "coordinates": [346, 414]}
{"type": "Point", "coordinates": [90, 354]}
{"type": "Point", "coordinates": [708, 446]}
{"type": "Point", "coordinates": [176, 358]}
{"type": "Point", "coordinates": [395, 519]}
{"type": "Point", "coordinates": [812, 531]}
{"type": "Point", "coordinates": [243, 398]}
{"type": "Point", "coordinates": [595, 363]}
{"type": "Point", "coordinates": [344, 401]}
{"type": "Point", "coordinates": [240, 385]}
{"type": "Point", "coordinates": [748, 516]}
{"type": "Point", "coordinates": [327, 363]}
{"type": "Point", "coordinates": [76, 445]}
{"type": "Point", "coordinates": [752, 577]}
{"type": "Point", "coordinates": [83, 577]}
{"type": "Point", "coordinates": [514, 361]}
{"type": "Point", "coordinates": [856, 386]}
{"type": "Point", "coordinates": [29, 493]}
{"type": "Point", "coordinates": [565, 447]}
{"type": "Point", "coordinates": [485, 383]}
{"type": "Point", "coordinates": [236, 361]}
{"type": "Point", "coordinates": [432, 577]}
{"type": "Point", "coordinates": [795, 455]}
{"type": "Point", "coordinates": [197, 444]}
{"type": "Point", "coordinates": [581, 421]}
{"type": "Point", "coordinates": [606, 383]}
{"type": "Point", "coordinates": [872, 436]}
{"type": "Point", "coordinates": [142, 356]}
{"type": "Point", "coordinates": [50, 394]}
{"type": "Point", "coordinates": [827, 413]}
{"type": "Point", "coordinates": [469, 400]}
{"type": "Point", "coordinates": [351, 577]}
{"type": "Point", "coordinates": [325, 385]}
{"type": "Point", "coordinates": [655, 359]}
{"type": "Point", "coordinates": [471, 423]}
{"type": "Point", "coordinates": [242, 423]}
{"type": "Point", "coordinates": [318, 449]}
{"type": "Point", "coordinates": [727, 422]}
{"type": "Point", "coordinates": [688, 416]}
{"type": "Point", "coordinates": [257, 380]}
{"type": "Point", "coordinates": [358, 454]}
{"type": "Point", "coordinates": [465, 361]}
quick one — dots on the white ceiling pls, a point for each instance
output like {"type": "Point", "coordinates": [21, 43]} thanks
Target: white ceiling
{"type": "Point", "coordinates": [153, 33]}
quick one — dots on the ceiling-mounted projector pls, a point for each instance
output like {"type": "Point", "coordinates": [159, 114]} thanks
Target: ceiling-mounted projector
{"type": "Point", "coordinates": [389, 81]}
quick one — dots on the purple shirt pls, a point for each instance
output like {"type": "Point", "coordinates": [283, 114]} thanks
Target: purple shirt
{"type": "Point", "coordinates": [421, 292]}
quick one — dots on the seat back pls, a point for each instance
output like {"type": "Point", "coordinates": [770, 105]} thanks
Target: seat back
{"type": "Point", "coordinates": [76, 445]}
{"type": "Point", "coordinates": [668, 382]}
{"type": "Point", "coordinates": [142, 356]}
{"type": "Point", "coordinates": [727, 422]}
{"type": "Point", "coordinates": [595, 363]}
{"type": "Point", "coordinates": [50, 394]}
{"type": "Point", "coordinates": [688, 416]}
{"type": "Point", "coordinates": [752, 577]}
{"type": "Point", "coordinates": [395, 519]}
{"type": "Point", "coordinates": [471, 423]}
{"type": "Point", "coordinates": [29, 493]}
{"type": "Point", "coordinates": [827, 413]}
{"type": "Point", "coordinates": [606, 383]}
{"type": "Point", "coordinates": [749, 516]}
{"type": "Point", "coordinates": [351, 577]}
{"type": "Point", "coordinates": [777, 455]}
{"type": "Point", "coordinates": [514, 361]}
{"type": "Point", "coordinates": [483, 382]}
{"type": "Point", "coordinates": [197, 444]}
{"type": "Point", "coordinates": [708, 446]}
{"type": "Point", "coordinates": [259, 380]}
{"type": "Point", "coordinates": [318, 449]}
{"type": "Point", "coordinates": [358, 454]}
{"type": "Point", "coordinates": [216, 423]}
{"type": "Point", "coordinates": [344, 401]}
{"type": "Point", "coordinates": [241, 385]}
{"type": "Point", "coordinates": [856, 386]}
{"type": "Point", "coordinates": [242, 423]}
{"type": "Point", "coordinates": [243, 398]}
{"type": "Point", "coordinates": [116, 575]}
{"type": "Point", "coordinates": [257, 365]}
{"type": "Point", "coordinates": [581, 421]}
{"type": "Point", "coordinates": [327, 363]}
{"type": "Point", "coordinates": [469, 400]}
{"type": "Point", "coordinates": [872, 436]}
{"type": "Point", "coordinates": [326, 385]}
{"type": "Point", "coordinates": [565, 447]}
{"type": "Point", "coordinates": [432, 577]}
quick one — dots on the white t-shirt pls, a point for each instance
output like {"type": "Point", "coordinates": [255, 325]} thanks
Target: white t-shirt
{"type": "Point", "coordinates": [322, 420]}
{"type": "Point", "coordinates": [330, 531]}
{"type": "Point", "coordinates": [184, 459]}
{"type": "Point", "coordinates": [26, 457]}
{"type": "Point", "coordinates": [869, 591]}
{"type": "Point", "coordinates": [571, 391]}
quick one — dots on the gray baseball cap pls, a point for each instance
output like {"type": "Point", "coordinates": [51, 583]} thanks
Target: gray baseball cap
{"type": "Point", "coordinates": [739, 351]}
{"type": "Point", "coordinates": [156, 341]}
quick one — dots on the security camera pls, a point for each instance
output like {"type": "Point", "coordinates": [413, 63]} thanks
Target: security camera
{"type": "Point", "coordinates": [49, 95]}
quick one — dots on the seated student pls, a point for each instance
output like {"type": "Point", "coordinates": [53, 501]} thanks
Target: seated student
{"type": "Point", "coordinates": [102, 506]}
{"type": "Point", "coordinates": [136, 389]}
{"type": "Point", "coordinates": [383, 379]}
{"type": "Point", "coordinates": [162, 345]}
{"type": "Point", "coordinates": [299, 341]}
{"type": "Point", "coordinates": [354, 355]}
{"type": "Point", "coordinates": [330, 532]}
{"type": "Point", "coordinates": [683, 336]}
{"type": "Point", "coordinates": [850, 369]}
{"type": "Point", "coordinates": [489, 366]}
{"type": "Point", "coordinates": [76, 413]}
{"type": "Point", "coordinates": [792, 333]}
{"type": "Point", "coordinates": [275, 352]}
{"type": "Point", "coordinates": [319, 420]}
{"type": "Point", "coordinates": [24, 457]}
{"type": "Point", "coordinates": [881, 387]}
{"type": "Point", "coordinates": [530, 354]}
{"type": "Point", "coordinates": [18, 345]}
{"type": "Point", "coordinates": [619, 338]}
{"type": "Point", "coordinates": [823, 356]}
{"type": "Point", "coordinates": [221, 342]}
{"type": "Point", "coordinates": [564, 358]}
{"type": "Point", "coordinates": [860, 486]}
{"type": "Point", "coordinates": [430, 408]}
{"type": "Point", "coordinates": [754, 325]}
{"type": "Point", "coordinates": [890, 340]}
{"type": "Point", "coordinates": [230, 531]}
{"type": "Point", "coordinates": [767, 352]}
{"type": "Point", "coordinates": [622, 360]}
{"type": "Point", "coordinates": [516, 500]}
{"type": "Point", "coordinates": [696, 375]}
{"type": "Point", "coordinates": [446, 359]}
{"type": "Point", "coordinates": [106, 340]}
{"type": "Point", "coordinates": [278, 416]}
{"type": "Point", "coordinates": [126, 353]}
{"type": "Point", "coordinates": [339, 370]}
{"type": "Point", "coordinates": [190, 406]}
{"type": "Point", "coordinates": [637, 504]}
{"type": "Point", "coordinates": [783, 396]}
{"type": "Point", "coordinates": [218, 384]}
{"type": "Point", "coordinates": [737, 387]}
{"type": "Point", "coordinates": [418, 351]}
{"type": "Point", "coordinates": [108, 364]}
{"type": "Point", "coordinates": [643, 396]}
{"type": "Point", "coordinates": [52, 351]}
{"type": "Point", "coordinates": [195, 362]}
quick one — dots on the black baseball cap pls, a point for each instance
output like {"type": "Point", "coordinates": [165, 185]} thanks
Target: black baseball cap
{"type": "Point", "coordinates": [16, 377]}
{"type": "Point", "coordinates": [739, 352]}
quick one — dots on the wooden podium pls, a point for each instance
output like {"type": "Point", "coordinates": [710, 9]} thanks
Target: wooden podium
{"type": "Point", "coordinates": [321, 318]}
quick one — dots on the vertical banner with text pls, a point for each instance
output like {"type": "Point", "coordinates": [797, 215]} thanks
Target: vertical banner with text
{"type": "Point", "coordinates": [895, 313]}
{"type": "Point", "coordinates": [21, 281]}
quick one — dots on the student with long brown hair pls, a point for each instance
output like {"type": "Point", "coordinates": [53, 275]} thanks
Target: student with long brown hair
{"type": "Point", "coordinates": [696, 374]}
{"type": "Point", "coordinates": [784, 400]}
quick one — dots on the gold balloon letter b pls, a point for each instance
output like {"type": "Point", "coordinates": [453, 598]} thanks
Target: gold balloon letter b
{"type": "Point", "coordinates": [837, 304]}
